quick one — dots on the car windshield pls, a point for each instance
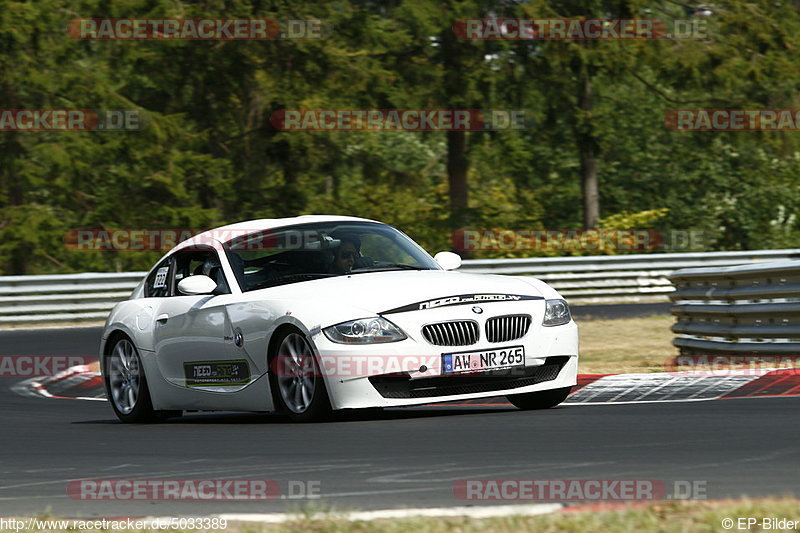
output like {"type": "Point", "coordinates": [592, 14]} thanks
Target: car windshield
{"type": "Point", "coordinates": [310, 251]}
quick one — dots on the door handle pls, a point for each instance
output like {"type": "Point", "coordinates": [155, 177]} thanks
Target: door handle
{"type": "Point", "coordinates": [162, 318]}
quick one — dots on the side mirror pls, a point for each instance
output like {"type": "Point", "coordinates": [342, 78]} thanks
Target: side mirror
{"type": "Point", "coordinates": [448, 260]}
{"type": "Point", "coordinates": [194, 285]}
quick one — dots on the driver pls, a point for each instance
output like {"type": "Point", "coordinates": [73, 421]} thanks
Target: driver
{"type": "Point", "coordinates": [346, 254]}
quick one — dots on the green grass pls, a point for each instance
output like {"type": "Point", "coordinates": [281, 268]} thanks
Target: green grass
{"type": "Point", "coordinates": [666, 517]}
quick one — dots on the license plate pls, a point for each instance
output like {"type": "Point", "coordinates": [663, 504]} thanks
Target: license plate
{"type": "Point", "coordinates": [478, 361]}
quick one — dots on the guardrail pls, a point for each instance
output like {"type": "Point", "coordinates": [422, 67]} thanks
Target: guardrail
{"type": "Point", "coordinates": [742, 310]}
{"type": "Point", "coordinates": [618, 278]}
{"type": "Point", "coordinates": [586, 279]}
{"type": "Point", "coordinates": [65, 297]}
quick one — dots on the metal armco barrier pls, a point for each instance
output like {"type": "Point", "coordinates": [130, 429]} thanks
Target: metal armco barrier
{"type": "Point", "coordinates": [742, 310]}
{"type": "Point", "coordinates": [587, 279]}
{"type": "Point", "coordinates": [63, 298]}
{"type": "Point", "coordinates": [618, 278]}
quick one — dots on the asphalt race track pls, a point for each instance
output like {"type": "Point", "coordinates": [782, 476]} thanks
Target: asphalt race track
{"type": "Point", "coordinates": [399, 458]}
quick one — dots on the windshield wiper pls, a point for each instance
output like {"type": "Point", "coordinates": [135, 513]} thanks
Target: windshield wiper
{"type": "Point", "coordinates": [285, 280]}
{"type": "Point", "coordinates": [390, 266]}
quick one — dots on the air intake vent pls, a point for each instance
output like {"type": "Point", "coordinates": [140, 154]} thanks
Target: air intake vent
{"type": "Point", "coordinates": [396, 386]}
{"type": "Point", "coordinates": [507, 328]}
{"type": "Point", "coordinates": [455, 333]}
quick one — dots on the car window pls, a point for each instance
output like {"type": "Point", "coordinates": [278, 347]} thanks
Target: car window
{"type": "Point", "coordinates": [381, 248]}
{"type": "Point", "coordinates": [196, 262]}
{"type": "Point", "coordinates": [157, 284]}
{"type": "Point", "coordinates": [309, 251]}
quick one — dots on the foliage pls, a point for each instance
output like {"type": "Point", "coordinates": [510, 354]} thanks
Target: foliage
{"type": "Point", "coordinates": [210, 155]}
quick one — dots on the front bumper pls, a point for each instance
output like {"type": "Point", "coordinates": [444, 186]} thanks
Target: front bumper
{"type": "Point", "coordinates": [551, 362]}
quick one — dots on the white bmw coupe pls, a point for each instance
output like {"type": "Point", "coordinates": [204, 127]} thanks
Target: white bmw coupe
{"type": "Point", "coordinates": [312, 314]}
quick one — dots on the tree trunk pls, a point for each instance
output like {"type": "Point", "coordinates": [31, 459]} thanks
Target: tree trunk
{"type": "Point", "coordinates": [18, 260]}
{"type": "Point", "coordinates": [587, 149]}
{"type": "Point", "coordinates": [591, 195]}
{"type": "Point", "coordinates": [457, 167]}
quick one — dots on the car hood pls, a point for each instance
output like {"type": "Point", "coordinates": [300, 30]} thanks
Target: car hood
{"type": "Point", "coordinates": [398, 291]}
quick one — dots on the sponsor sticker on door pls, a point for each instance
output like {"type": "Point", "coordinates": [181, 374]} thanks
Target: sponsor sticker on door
{"type": "Point", "coordinates": [218, 373]}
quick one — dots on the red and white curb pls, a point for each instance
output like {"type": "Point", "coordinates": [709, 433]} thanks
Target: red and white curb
{"type": "Point", "coordinates": [84, 382]}
{"type": "Point", "coordinates": [682, 387]}
{"type": "Point", "coordinates": [491, 511]}
{"type": "Point", "coordinates": [474, 512]}
{"type": "Point", "coordinates": [659, 387]}
{"type": "Point", "coordinates": [488, 511]}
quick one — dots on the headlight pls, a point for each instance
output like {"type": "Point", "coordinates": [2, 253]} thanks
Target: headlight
{"type": "Point", "coordinates": [556, 313]}
{"type": "Point", "coordinates": [364, 331]}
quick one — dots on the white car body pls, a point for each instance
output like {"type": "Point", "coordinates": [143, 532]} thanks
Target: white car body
{"type": "Point", "coordinates": [171, 332]}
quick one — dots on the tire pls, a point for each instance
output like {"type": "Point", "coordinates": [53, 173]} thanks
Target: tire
{"type": "Point", "coordinates": [297, 385]}
{"type": "Point", "coordinates": [126, 385]}
{"type": "Point", "coordinates": [539, 400]}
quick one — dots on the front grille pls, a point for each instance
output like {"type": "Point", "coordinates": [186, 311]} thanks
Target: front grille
{"type": "Point", "coordinates": [507, 328]}
{"type": "Point", "coordinates": [402, 386]}
{"type": "Point", "coordinates": [453, 333]}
